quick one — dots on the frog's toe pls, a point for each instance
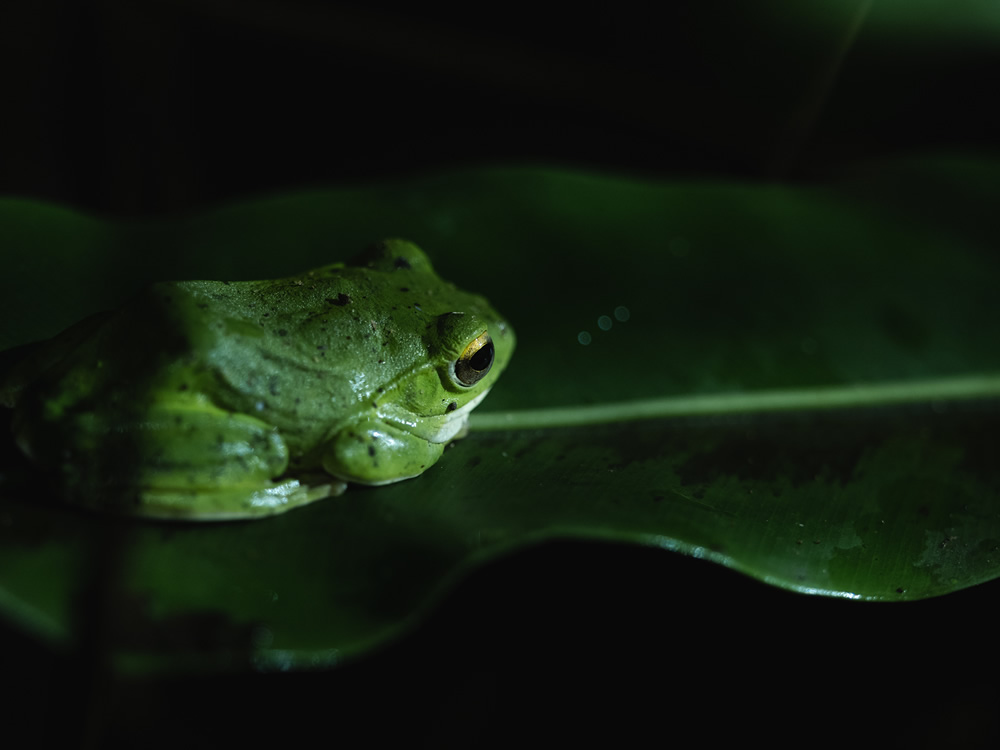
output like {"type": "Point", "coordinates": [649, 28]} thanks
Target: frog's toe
{"type": "Point", "coordinates": [233, 503]}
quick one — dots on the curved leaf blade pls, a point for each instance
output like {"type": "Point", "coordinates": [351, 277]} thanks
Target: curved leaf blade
{"type": "Point", "coordinates": [851, 288]}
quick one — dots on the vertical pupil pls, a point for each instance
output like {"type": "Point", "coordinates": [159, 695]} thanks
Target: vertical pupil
{"type": "Point", "coordinates": [483, 358]}
{"type": "Point", "coordinates": [474, 363]}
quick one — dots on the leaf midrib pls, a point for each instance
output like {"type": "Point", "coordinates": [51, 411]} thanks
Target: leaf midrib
{"type": "Point", "coordinates": [931, 391]}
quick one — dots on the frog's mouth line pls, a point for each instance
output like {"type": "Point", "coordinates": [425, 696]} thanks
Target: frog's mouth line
{"type": "Point", "coordinates": [436, 428]}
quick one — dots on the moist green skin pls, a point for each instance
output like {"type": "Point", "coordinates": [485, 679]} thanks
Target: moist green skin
{"type": "Point", "coordinates": [210, 400]}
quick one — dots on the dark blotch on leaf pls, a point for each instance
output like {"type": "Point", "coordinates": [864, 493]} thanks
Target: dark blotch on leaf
{"type": "Point", "coordinates": [798, 449]}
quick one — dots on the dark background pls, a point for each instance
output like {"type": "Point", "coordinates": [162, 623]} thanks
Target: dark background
{"type": "Point", "coordinates": [132, 109]}
{"type": "Point", "coordinates": [167, 105]}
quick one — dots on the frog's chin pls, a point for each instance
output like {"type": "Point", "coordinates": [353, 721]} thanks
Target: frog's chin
{"type": "Point", "coordinates": [439, 428]}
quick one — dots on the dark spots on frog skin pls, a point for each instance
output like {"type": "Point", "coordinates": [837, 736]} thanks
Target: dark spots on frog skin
{"type": "Point", "coordinates": [404, 289]}
{"type": "Point", "coordinates": [402, 263]}
{"type": "Point", "coordinates": [183, 387]}
{"type": "Point", "coordinates": [371, 451]}
{"type": "Point", "coordinates": [261, 444]}
{"type": "Point", "coordinates": [451, 407]}
{"type": "Point", "coordinates": [282, 332]}
{"type": "Point", "coordinates": [272, 386]}
{"type": "Point", "coordinates": [340, 300]}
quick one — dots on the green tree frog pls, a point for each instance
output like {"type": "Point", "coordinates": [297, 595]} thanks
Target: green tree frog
{"type": "Point", "coordinates": [208, 400]}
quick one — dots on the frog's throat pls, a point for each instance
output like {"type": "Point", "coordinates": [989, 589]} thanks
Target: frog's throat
{"type": "Point", "coordinates": [439, 428]}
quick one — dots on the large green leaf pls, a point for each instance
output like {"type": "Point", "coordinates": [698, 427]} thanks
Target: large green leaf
{"type": "Point", "coordinates": [796, 382]}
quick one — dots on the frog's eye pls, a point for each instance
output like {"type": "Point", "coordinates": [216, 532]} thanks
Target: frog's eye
{"type": "Point", "coordinates": [475, 361]}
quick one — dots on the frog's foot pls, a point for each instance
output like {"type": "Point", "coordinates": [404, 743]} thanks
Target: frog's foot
{"type": "Point", "coordinates": [190, 460]}
{"type": "Point", "coordinates": [233, 503]}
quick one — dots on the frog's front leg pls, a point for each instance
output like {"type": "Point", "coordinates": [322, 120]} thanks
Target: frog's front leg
{"type": "Point", "coordinates": [374, 452]}
{"type": "Point", "coordinates": [194, 461]}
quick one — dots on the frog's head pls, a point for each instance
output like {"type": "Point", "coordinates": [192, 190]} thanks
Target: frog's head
{"type": "Point", "coordinates": [449, 346]}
